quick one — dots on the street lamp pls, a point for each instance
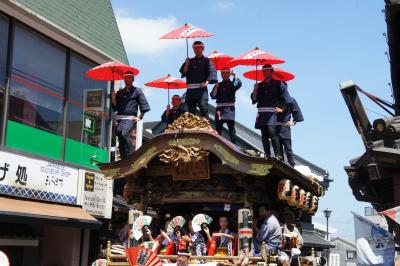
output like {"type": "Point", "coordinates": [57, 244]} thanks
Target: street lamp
{"type": "Point", "coordinates": [327, 214]}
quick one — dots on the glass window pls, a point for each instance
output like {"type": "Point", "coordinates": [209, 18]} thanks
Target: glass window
{"type": "Point", "coordinates": [3, 62]}
{"type": "Point", "coordinates": [37, 81]}
{"type": "Point", "coordinates": [87, 111]}
{"type": "Point", "coordinates": [351, 255]}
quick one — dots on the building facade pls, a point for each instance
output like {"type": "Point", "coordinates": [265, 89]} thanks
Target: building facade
{"type": "Point", "coordinates": [344, 253]}
{"type": "Point", "coordinates": [54, 127]}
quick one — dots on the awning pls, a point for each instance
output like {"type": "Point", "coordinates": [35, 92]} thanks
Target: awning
{"type": "Point", "coordinates": [312, 239]}
{"type": "Point", "coordinates": [23, 211]}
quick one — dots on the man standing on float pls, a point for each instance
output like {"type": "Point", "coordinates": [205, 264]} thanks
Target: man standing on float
{"type": "Point", "coordinates": [199, 72]}
{"type": "Point", "coordinates": [269, 94]}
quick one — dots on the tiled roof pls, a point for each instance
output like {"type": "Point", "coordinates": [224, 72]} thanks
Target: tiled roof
{"type": "Point", "coordinates": [311, 239]}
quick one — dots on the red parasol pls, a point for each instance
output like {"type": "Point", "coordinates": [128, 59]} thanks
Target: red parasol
{"type": "Point", "coordinates": [220, 59]}
{"type": "Point", "coordinates": [110, 71]}
{"type": "Point", "coordinates": [255, 57]}
{"type": "Point", "coordinates": [277, 74]}
{"type": "Point", "coordinates": [185, 32]}
{"type": "Point", "coordinates": [167, 82]}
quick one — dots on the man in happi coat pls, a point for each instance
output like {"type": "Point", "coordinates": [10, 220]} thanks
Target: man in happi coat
{"type": "Point", "coordinates": [199, 72]}
{"type": "Point", "coordinates": [268, 95]}
{"type": "Point", "coordinates": [171, 114]}
{"type": "Point", "coordinates": [126, 103]}
{"type": "Point", "coordinates": [290, 115]}
{"type": "Point", "coordinates": [225, 94]}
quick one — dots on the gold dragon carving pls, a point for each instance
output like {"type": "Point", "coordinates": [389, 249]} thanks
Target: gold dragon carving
{"type": "Point", "coordinates": [188, 121]}
{"type": "Point", "coordinates": [187, 162]}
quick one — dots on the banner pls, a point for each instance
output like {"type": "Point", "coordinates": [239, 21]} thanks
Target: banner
{"type": "Point", "coordinates": [393, 213]}
{"type": "Point", "coordinates": [375, 245]}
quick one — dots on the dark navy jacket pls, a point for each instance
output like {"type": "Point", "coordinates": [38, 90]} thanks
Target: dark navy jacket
{"type": "Point", "coordinates": [128, 103]}
{"type": "Point", "coordinates": [270, 95]}
{"type": "Point", "coordinates": [291, 109]}
{"type": "Point", "coordinates": [200, 70]}
{"type": "Point", "coordinates": [226, 93]}
{"type": "Point", "coordinates": [172, 115]}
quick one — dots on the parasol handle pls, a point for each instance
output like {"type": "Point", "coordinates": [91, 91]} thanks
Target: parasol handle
{"type": "Point", "coordinates": [187, 47]}
{"type": "Point", "coordinates": [256, 71]}
{"type": "Point", "coordinates": [168, 94]}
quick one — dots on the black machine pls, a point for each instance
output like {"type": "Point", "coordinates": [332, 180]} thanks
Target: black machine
{"type": "Point", "coordinates": [375, 176]}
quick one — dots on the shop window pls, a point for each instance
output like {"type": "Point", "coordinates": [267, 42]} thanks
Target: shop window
{"type": "Point", "coordinates": [37, 81]}
{"type": "Point", "coordinates": [36, 101]}
{"type": "Point", "coordinates": [3, 63]}
{"type": "Point", "coordinates": [87, 115]}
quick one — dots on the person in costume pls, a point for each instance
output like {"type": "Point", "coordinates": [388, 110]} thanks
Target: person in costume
{"type": "Point", "coordinates": [202, 244]}
{"type": "Point", "coordinates": [224, 238]}
{"type": "Point", "coordinates": [224, 93]}
{"type": "Point", "coordinates": [199, 72]}
{"type": "Point", "coordinates": [268, 95]}
{"type": "Point", "coordinates": [126, 103]}
{"type": "Point", "coordinates": [171, 114]}
{"type": "Point", "coordinates": [177, 239]}
{"type": "Point", "coordinates": [164, 239]}
{"type": "Point", "coordinates": [290, 115]}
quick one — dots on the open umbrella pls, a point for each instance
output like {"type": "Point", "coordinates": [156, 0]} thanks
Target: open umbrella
{"type": "Point", "coordinates": [255, 57]}
{"type": "Point", "coordinates": [219, 59]}
{"type": "Point", "coordinates": [185, 32]}
{"type": "Point", "coordinates": [167, 82]}
{"type": "Point", "coordinates": [110, 71]}
{"type": "Point", "coordinates": [277, 74]}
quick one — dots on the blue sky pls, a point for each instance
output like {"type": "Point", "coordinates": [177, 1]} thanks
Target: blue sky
{"type": "Point", "coordinates": [323, 43]}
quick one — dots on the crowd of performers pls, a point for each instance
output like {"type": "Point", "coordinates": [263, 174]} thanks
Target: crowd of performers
{"type": "Point", "coordinates": [277, 110]}
{"type": "Point", "coordinates": [194, 237]}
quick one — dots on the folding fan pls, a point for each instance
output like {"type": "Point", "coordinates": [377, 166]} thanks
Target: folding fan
{"type": "Point", "coordinates": [177, 221]}
{"type": "Point", "coordinates": [200, 219]}
{"type": "Point", "coordinates": [138, 224]}
{"type": "Point", "coordinates": [141, 256]}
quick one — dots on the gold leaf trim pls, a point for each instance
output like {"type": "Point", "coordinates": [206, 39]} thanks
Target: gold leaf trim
{"type": "Point", "coordinates": [185, 142]}
{"type": "Point", "coordinates": [142, 159]}
{"type": "Point", "coordinates": [227, 155]}
{"type": "Point", "coordinates": [111, 173]}
{"type": "Point", "coordinates": [259, 169]}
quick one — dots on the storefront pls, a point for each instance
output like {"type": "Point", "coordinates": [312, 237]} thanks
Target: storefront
{"type": "Point", "coordinates": [54, 127]}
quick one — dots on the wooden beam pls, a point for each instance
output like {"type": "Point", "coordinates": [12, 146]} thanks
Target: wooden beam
{"type": "Point", "coordinates": [165, 170]}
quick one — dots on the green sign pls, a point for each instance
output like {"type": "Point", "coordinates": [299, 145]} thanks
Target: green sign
{"type": "Point", "coordinates": [89, 124]}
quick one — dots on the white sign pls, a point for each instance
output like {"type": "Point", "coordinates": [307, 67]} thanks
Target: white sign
{"type": "Point", "coordinates": [37, 179]}
{"type": "Point", "coordinates": [97, 194]}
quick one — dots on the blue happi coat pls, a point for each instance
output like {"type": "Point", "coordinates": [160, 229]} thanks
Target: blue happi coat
{"type": "Point", "coordinates": [128, 103]}
{"type": "Point", "coordinates": [200, 70]}
{"type": "Point", "coordinates": [225, 98]}
{"type": "Point", "coordinates": [290, 110]}
{"type": "Point", "coordinates": [269, 96]}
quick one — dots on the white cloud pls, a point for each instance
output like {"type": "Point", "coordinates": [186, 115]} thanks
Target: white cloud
{"type": "Point", "coordinates": [142, 35]}
{"type": "Point", "coordinates": [224, 5]}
